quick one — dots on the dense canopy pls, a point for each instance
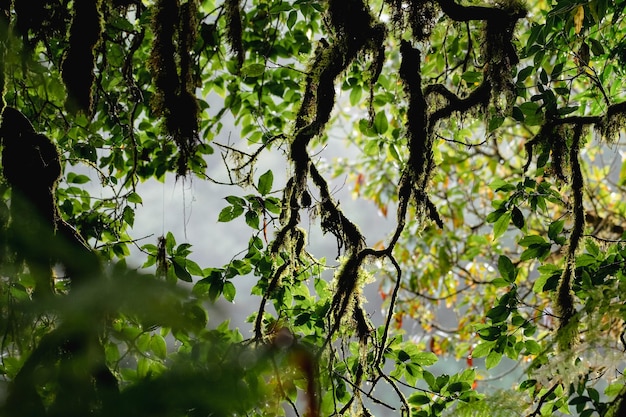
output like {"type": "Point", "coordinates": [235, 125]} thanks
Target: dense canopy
{"type": "Point", "coordinates": [488, 134]}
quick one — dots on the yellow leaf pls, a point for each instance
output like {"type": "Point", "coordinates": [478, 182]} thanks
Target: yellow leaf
{"type": "Point", "coordinates": [579, 16]}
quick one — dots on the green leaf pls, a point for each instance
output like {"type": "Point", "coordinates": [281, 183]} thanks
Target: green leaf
{"type": "Point", "coordinates": [614, 389]}
{"type": "Point", "coordinates": [235, 201]}
{"type": "Point", "coordinates": [472, 77]}
{"type": "Point", "coordinates": [229, 291]}
{"type": "Point", "coordinates": [532, 347]}
{"type": "Point", "coordinates": [495, 215]}
{"type": "Point", "coordinates": [442, 380]}
{"type": "Point", "coordinates": [273, 205]}
{"type": "Point", "coordinates": [585, 260]}
{"type": "Point", "coordinates": [424, 358]}
{"type": "Point", "coordinates": [498, 313]}
{"type": "Point", "coordinates": [592, 248]}
{"type": "Point", "coordinates": [430, 380]}
{"type": "Point", "coordinates": [490, 333]}
{"type": "Point", "coordinates": [381, 125]}
{"type": "Point", "coordinates": [527, 241]}
{"type": "Point", "coordinates": [180, 269]}
{"type": "Point", "coordinates": [493, 359]}
{"type": "Point", "coordinates": [128, 214]}
{"type": "Point", "coordinates": [229, 213]}
{"type": "Point", "coordinates": [253, 70]}
{"type": "Point", "coordinates": [134, 198]}
{"type": "Point", "coordinates": [73, 178]}
{"type": "Point", "coordinates": [193, 268]}
{"type": "Point", "coordinates": [555, 229]}
{"type": "Point", "coordinates": [482, 349]}
{"type": "Point", "coordinates": [596, 46]}
{"type": "Point", "coordinates": [529, 108]}
{"type": "Point", "coordinates": [158, 346]}
{"type": "Point", "coordinates": [567, 110]}
{"type": "Point", "coordinates": [500, 283]}
{"type": "Point", "coordinates": [458, 387]}
{"type": "Point", "coordinates": [366, 129]}
{"type": "Point", "coordinates": [501, 185]}
{"type": "Point", "coordinates": [355, 95]}
{"type": "Point", "coordinates": [507, 269]}
{"type": "Point", "coordinates": [150, 248]}
{"type": "Point", "coordinates": [252, 219]}
{"type": "Point", "coordinates": [265, 183]}
{"type": "Point", "coordinates": [291, 19]}
{"type": "Point", "coordinates": [170, 243]}
{"type": "Point", "coordinates": [536, 251]}
{"type": "Point", "coordinates": [242, 267]}
{"type": "Point", "coordinates": [501, 225]}
{"type": "Point", "coordinates": [403, 356]}
{"type": "Point", "coordinates": [418, 399]}
{"type": "Point", "coordinates": [517, 217]}
{"type": "Point", "coordinates": [525, 73]}
{"type": "Point", "coordinates": [539, 284]}
{"type": "Point", "coordinates": [395, 154]}
{"type": "Point", "coordinates": [495, 122]}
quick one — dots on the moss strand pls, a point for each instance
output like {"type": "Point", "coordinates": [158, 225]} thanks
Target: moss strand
{"type": "Point", "coordinates": [77, 68]}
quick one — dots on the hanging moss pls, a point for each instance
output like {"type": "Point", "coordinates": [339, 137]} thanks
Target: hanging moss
{"type": "Point", "coordinates": [419, 15]}
{"type": "Point", "coordinates": [187, 36]}
{"type": "Point", "coordinates": [185, 115]}
{"type": "Point", "coordinates": [376, 47]}
{"type": "Point", "coordinates": [174, 36]}
{"type": "Point", "coordinates": [30, 17]}
{"type": "Point", "coordinates": [349, 19]}
{"type": "Point", "coordinates": [232, 10]}
{"type": "Point", "coordinates": [501, 57]}
{"type": "Point", "coordinates": [333, 219]}
{"type": "Point", "coordinates": [551, 139]}
{"type": "Point", "coordinates": [613, 122]}
{"type": "Point", "coordinates": [416, 175]}
{"type": "Point", "coordinates": [77, 68]}
{"type": "Point", "coordinates": [306, 112]}
{"type": "Point", "coordinates": [162, 60]}
{"type": "Point", "coordinates": [5, 21]}
{"type": "Point", "coordinates": [38, 20]}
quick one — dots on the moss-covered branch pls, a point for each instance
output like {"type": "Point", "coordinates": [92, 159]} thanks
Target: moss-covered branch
{"type": "Point", "coordinates": [461, 13]}
{"type": "Point", "coordinates": [564, 298]}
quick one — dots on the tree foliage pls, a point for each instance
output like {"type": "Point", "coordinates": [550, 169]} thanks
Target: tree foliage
{"type": "Point", "coordinates": [489, 133]}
